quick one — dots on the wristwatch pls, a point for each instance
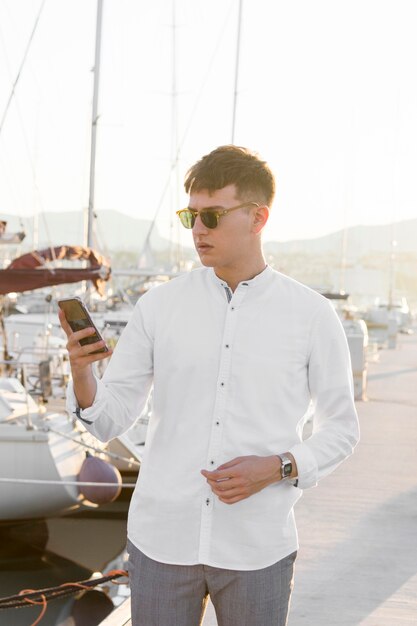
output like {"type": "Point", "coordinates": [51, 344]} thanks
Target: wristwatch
{"type": "Point", "coordinates": [286, 466]}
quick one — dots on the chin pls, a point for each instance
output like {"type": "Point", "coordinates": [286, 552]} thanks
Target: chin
{"type": "Point", "coordinates": [206, 261]}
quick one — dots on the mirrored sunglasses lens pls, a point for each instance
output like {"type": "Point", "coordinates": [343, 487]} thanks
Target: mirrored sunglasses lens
{"type": "Point", "coordinates": [187, 219]}
{"type": "Point", "coordinates": [209, 219]}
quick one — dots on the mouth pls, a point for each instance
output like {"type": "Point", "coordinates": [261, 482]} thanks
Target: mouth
{"type": "Point", "coordinates": [203, 247]}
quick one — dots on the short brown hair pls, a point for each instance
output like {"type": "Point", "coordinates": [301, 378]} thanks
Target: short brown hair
{"type": "Point", "coordinates": [232, 165]}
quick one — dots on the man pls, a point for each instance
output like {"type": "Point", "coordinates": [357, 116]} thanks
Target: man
{"type": "Point", "coordinates": [237, 353]}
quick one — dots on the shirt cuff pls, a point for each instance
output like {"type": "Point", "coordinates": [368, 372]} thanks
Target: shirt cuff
{"type": "Point", "coordinates": [92, 412]}
{"type": "Point", "coordinates": [307, 470]}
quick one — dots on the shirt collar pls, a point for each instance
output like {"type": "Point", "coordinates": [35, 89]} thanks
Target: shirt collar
{"type": "Point", "coordinates": [259, 279]}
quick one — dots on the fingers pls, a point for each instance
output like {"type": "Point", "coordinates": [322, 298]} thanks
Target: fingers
{"type": "Point", "coordinates": [85, 353]}
{"type": "Point", "coordinates": [223, 486]}
{"type": "Point", "coordinates": [82, 361]}
{"type": "Point", "coordinates": [217, 474]}
{"type": "Point", "coordinates": [237, 479]}
{"type": "Point", "coordinates": [74, 337]}
{"type": "Point", "coordinates": [233, 500]}
{"type": "Point", "coordinates": [232, 491]}
{"type": "Point", "coordinates": [82, 355]}
{"type": "Point", "coordinates": [99, 357]}
{"type": "Point", "coordinates": [232, 494]}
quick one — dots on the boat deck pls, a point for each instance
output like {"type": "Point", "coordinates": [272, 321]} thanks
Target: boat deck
{"type": "Point", "coordinates": [357, 564]}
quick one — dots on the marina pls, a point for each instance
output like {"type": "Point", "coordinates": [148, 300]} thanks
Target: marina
{"type": "Point", "coordinates": [339, 521]}
{"type": "Point", "coordinates": [334, 519]}
{"type": "Point", "coordinates": [104, 106]}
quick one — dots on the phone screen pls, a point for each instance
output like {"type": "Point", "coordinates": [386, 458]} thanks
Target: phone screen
{"type": "Point", "coordinates": [78, 318]}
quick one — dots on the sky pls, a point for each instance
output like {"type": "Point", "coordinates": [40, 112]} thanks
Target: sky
{"type": "Point", "coordinates": [326, 93]}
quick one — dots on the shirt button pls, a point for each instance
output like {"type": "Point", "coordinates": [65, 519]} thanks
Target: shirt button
{"type": "Point", "coordinates": [211, 462]}
{"type": "Point", "coordinates": [208, 501]}
{"type": "Point", "coordinates": [227, 346]}
{"type": "Point", "coordinates": [217, 423]}
{"type": "Point", "coordinates": [221, 384]}
{"type": "Point", "coordinates": [233, 308]}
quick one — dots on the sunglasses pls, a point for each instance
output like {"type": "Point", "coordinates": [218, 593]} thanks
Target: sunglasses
{"type": "Point", "coordinates": [209, 217]}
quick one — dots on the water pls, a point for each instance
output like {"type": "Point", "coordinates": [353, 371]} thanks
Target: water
{"type": "Point", "coordinates": [35, 555]}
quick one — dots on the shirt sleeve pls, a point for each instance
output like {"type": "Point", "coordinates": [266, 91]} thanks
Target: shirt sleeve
{"type": "Point", "coordinates": [124, 389]}
{"type": "Point", "coordinates": [335, 421]}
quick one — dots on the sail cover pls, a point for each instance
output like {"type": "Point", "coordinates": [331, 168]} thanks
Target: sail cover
{"type": "Point", "coordinates": [31, 271]}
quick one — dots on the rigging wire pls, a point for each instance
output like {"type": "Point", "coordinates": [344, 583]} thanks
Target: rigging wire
{"type": "Point", "coordinates": [9, 175]}
{"type": "Point", "coordinates": [62, 483]}
{"type": "Point", "coordinates": [10, 181]}
{"type": "Point", "coordinates": [239, 29]}
{"type": "Point", "coordinates": [3, 119]}
{"type": "Point", "coordinates": [111, 455]}
{"type": "Point", "coordinates": [24, 133]}
{"type": "Point", "coordinates": [175, 160]}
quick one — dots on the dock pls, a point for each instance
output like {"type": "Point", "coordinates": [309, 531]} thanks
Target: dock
{"type": "Point", "coordinates": [357, 563]}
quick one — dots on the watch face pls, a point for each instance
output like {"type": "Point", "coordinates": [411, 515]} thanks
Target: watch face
{"type": "Point", "coordinates": [287, 469]}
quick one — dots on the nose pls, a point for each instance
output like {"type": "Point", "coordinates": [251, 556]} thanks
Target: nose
{"type": "Point", "coordinates": [199, 227]}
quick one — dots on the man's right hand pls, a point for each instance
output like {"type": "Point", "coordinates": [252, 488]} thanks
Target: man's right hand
{"type": "Point", "coordinates": [81, 358]}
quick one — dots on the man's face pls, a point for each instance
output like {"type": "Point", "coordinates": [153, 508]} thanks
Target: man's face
{"type": "Point", "coordinates": [230, 243]}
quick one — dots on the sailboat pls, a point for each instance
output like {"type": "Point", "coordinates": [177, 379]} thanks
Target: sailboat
{"type": "Point", "coordinates": [70, 435]}
{"type": "Point", "coordinates": [44, 454]}
{"type": "Point", "coordinates": [41, 455]}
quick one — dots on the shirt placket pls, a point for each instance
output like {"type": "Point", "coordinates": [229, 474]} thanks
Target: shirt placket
{"type": "Point", "coordinates": [219, 413]}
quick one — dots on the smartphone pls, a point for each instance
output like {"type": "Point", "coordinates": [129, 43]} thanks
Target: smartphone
{"type": "Point", "coordinates": [78, 318]}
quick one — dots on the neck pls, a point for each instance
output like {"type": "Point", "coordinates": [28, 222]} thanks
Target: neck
{"type": "Point", "coordinates": [235, 275]}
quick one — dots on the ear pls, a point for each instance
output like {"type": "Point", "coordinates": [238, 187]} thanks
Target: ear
{"type": "Point", "coordinates": [260, 218]}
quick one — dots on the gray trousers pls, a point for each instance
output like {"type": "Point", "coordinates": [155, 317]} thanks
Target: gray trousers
{"type": "Point", "coordinates": [176, 595]}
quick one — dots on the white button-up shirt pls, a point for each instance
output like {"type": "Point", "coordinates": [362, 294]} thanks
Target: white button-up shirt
{"type": "Point", "coordinates": [233, 374]}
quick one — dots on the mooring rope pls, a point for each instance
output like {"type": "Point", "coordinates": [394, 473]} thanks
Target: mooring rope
{"type": "Point", "coordinates": [41, 597]}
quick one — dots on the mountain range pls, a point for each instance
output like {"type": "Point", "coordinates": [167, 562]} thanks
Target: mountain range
{"type": "Point", "coordinates": [119, 232]}
{"type": "Point", "coordinates": [358, 241]}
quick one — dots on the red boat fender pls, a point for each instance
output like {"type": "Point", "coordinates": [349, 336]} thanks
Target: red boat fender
{"type": "Point", "coordinates": [95, 470]}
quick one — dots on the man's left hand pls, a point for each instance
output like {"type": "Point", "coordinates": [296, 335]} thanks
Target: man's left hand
{"type": "Point", "coordinates": [242, 477]}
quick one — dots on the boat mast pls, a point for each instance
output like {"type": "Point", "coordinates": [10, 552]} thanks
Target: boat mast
{"type": "Point", "coordinates": [95, 116]}
{"type": "Point", "coordinates": [391, 276]}
{"type": "Point", "coordinates": [239, 27]}
{"type": "Point", "coordinates": [175, 189]}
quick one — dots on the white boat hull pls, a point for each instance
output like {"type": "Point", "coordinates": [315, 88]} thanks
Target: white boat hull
{"type": "Point", "coordinates": [37, 447]}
